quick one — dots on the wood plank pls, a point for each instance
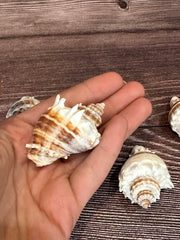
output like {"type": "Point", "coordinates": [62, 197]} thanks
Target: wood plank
{"type": "Point", "coordinates": [42, 66]}
{"type": "Point", "coordinates": [49, 45]}
{"type": "Point", "coordinates": [37, 17]}
{"type": "Point", "coordinates": [108, 215]}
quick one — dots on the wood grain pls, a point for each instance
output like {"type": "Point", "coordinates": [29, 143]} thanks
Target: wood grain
{"type": "Point", "coordinates": [32, 17]}
{"type": "Point", "coordinates": [47, 46]}
{"type": "Point", "coordinates": [43, 66]}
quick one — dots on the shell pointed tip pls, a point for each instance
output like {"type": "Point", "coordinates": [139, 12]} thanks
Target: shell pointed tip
{"type": "Point", "coordinates": [136, 149]}
{"type": "Point", "coordinates": [145, 206]}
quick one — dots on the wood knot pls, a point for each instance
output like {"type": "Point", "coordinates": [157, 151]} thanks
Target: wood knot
{"type": "Point", "coordinates": [123, 4]}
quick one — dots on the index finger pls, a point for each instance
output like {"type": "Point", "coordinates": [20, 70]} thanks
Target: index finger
{"type": "Point", "coordinates": [94, 90]}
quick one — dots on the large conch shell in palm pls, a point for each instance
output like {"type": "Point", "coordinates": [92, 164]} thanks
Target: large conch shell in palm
{"type": "Point", "coordinates": [63, 131]}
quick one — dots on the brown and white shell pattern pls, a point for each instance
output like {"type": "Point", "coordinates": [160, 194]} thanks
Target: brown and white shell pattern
{"type": "Point", "coordinates": [22, 105]}
{"type": "Point", "coordinates": [63, 131]}
{"type": "Point", "coordinates": [174, 114]}
{"type": "Point", "coordinates": [142, 177]}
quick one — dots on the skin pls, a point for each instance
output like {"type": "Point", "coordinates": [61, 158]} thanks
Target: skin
{"type": "Point", "coordinates": [45, 203]}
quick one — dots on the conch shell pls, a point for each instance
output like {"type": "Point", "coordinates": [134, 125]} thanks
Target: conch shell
{"type": "Point", "coordinates": [22, 105]}
{"type": "Point", "coordinates": [174, 114]}
{"type": "Point", "coordinates": [142, 177]}
{"type": "Point", "coordinates": [62, 131]}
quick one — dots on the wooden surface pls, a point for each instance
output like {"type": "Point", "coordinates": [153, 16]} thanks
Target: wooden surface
{"type": "Point", "coordinates": [47, 46]}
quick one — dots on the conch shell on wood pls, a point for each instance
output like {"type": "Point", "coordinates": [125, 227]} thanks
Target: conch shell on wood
{"type": "Point", "coordinates": [142, 177]}
{"type": "Point", "coordinates": [22, 105]}
{"type": "Point", "coordinates": [174, 114]}
{"type": "Point", "coordinates": [63, 131]}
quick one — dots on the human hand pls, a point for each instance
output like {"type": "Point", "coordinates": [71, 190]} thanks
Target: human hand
{"type": "Point", "coordinates": [45, 203]}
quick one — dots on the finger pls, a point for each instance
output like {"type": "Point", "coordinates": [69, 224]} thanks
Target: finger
{"type": "Point", "coordinates": [90, 174]}
{"type": "Point", "coordinates": [136, 113]}
{"type": "Point", "coordinates": [121, 99]}
{"type": "Point", "coordinates": [93, 90]}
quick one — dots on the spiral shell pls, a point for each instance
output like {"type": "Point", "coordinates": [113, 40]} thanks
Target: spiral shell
{"type": "Point", "coordinates": [174, 114]}
{"type": "Point", "coordinates": [142, 177]}
{"type": "Point", "coordinates": [22, 105]}
{"type": "Point", "coordinates": [62, 131]}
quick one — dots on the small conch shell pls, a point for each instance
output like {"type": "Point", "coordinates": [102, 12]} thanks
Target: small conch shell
{"type": "Point", "coordinates": [62, 131]}
{"type": "Point", "coordinates": [174, 114]}
{"type": "Point", "coordinates": [142, 177]}
{"type": "Point", "coordinates": [21, 105]}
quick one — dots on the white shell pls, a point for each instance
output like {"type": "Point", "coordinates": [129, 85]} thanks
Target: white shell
{"type": "Point", "coordinates": [21, 105]}
{"type": "Point", "coordinates": [142, 177]}
{"type": "Point", "coordinates": [62, 131]}
{"type": "Point", "coordinates": [174, 114]}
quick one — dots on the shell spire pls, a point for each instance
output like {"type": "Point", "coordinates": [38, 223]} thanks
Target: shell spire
{"type": "Point", "coordinates": [142, 177]}
{"type": "Point", "coordinates": [174, 114]}
{"type": "Point", "coordinates": [93, 112]}
{"type": "Point", "coordinates": [63, 131]}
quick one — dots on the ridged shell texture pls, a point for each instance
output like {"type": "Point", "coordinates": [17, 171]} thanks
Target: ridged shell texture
{"type": "Point", "coordinates": [22, 105]}
{"type": "Point", "coordinates": [63, 131]}
{"type": "Point", "coordinates": [174, 114]}
{"type": "Point", "coordinates": [142, 177]}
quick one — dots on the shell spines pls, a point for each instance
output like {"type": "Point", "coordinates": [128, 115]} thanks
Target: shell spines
{"type": "Point", "coordinates": [62, 131]}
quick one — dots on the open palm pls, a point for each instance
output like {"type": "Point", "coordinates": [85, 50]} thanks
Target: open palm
{"type": "Point", "coordinates": [45, 203]}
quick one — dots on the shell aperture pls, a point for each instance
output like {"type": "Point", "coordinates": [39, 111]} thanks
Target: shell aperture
{"type": "Point", "coordinates": [63, 131]}
{"type": "Point", "coordinates": [142, 177]}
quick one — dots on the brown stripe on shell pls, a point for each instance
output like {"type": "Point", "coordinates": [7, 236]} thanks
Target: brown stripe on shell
{"type": "Point", "coordinates": [93, 115]}
{"type": "Point", "coordinates": [38, 138]}
{"type": "Point", "coordinates": [48, 126]}
{"type": "Point", "coordinates": [144, 192]}
{"type": "Point", "coordinates": [41, 151]}
{"type": "Point", "coordinates": [81, 107]}
{"type": "Point", "coordinates": [34, 154]}
{"type": "Point", "coordinates": [98, 108]}
{"type": "Point", "coordinates": [144, 202]}
{"type": "Point", "coordinates": [43, 141]}
{"type": "Point", "coordinates": [51, 121]}
{"type": "Point", "coordinates": [140, 181]}
{"type": "Point", "coordinates": [34, 151]}
{"type": "Point", "coordinates": [55, 115]}
{"type": "Point", "coordinates": [44, 122]}
{"type": "Point", "coordinates": [72, 128]}
{"type": "Point", "coordinates": [64, 136]}
{"type": "Point", "coordinates": [93, 112]}
{"type": "Point", "coordinates": [42, 137]}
